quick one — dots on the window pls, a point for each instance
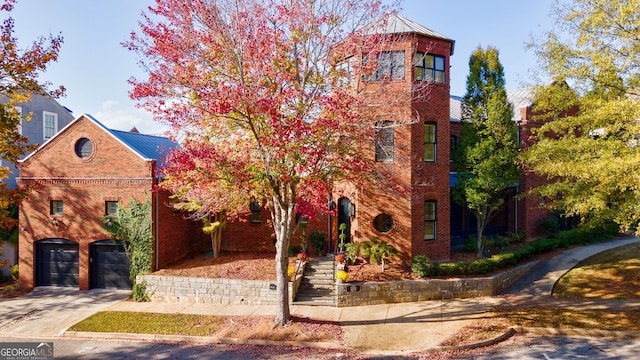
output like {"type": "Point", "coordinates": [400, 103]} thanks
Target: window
{"type": "Point", "coordinates": [256, 212]}
{"type": "Point", "coordinates": [453, 146]}
{"type": "Point", "coordinates": [390, 66]}
{"type": "Point", "coordinates": [384, 141]}
{"type": "Point", "coordinates": [430, 220]}
{"type": "Point", "coordinates": [345, 72]}
{"type": "Point", "coordinates": [111, 208]}
{"type": "Point", "coordinates": [50, 124]}
{"type": "Point", "coordinates": [430, 142]}
{"type": "Point", "coordinates": [429, 67]}
{"type": "Point", "coordinates": [383, 223]}
{"type": "Point", "coordinates": [55, 207]}
{"type": "Point", "coordinates": [19, 111]}
{"type": "Point", "coordinates": [84, 148]}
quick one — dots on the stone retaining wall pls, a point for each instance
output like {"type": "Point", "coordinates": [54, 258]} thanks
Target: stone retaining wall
{"type": "Point", "coordinates": [256, 292]}
{"type": "Point", "coordinates": [214, 291]}
{"type": "Point", "coordinates": [356, 294]}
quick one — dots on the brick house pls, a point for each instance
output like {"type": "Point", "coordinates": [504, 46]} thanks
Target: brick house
{"type": "Point", "coordinates": [81, 174]}
{"type": "Point", "coordinates": [418, 124]}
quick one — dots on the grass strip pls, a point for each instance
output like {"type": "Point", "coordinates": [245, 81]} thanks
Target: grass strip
{"type": "Point", "coordinates": [150, 323]}
{"type": "Point", "coordinates": [574, 319]}
{"type": "Point", "coordinates": [612, 274]}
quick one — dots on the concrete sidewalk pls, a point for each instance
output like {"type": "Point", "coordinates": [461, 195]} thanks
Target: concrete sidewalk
{"type": "Point", "coordinates": [394, 328]}
{"type": "Point", "coordinates": [381, 329]}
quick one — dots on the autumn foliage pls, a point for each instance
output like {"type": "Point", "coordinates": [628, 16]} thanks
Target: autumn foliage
{"type": "Point", "coordinates": [265, 113]}
{"type": "Point", "coordinates": [19, 72]}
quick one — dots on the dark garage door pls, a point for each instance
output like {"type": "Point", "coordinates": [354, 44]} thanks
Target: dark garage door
{"type": "Point", "coordinates": [57, 263]}
{"type": "Point", "coordinates": [109, 266]}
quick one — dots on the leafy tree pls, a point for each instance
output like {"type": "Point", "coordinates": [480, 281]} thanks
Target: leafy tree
{"type": "Point", "coordinates": [19, 71]}
{"type": "Point", "coordinates": [133, 225]}
{"type": "Point", "coordinates": [589, 147]}
{"type": "Point", "coordinates": [260, 91]}
{"type": "Point", "coordinates": [486, 159]}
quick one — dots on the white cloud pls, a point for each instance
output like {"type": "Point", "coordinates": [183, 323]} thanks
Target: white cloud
{"type": "Point", "coordinates": [127, 118]}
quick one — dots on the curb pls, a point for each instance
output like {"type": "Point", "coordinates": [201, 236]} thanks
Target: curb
{"type": "Point", "coordinates": [578, 332]}
{"type": "Point", "coordinates": [199, 339]}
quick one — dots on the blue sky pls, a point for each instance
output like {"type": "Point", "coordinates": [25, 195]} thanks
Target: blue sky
{"type": "Point", "coordinates": [94, 67]}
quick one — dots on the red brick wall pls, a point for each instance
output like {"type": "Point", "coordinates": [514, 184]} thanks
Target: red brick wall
{"type": "Point", "coordinates": [112, 173]}
{"type": "Point", "coordinates": [177, 236]}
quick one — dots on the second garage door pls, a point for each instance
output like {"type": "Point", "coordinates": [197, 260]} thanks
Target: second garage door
{"type": "Point", "coordinates": [109, 266]}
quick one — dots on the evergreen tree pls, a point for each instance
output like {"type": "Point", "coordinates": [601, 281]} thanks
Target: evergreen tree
{"type": "Point", "coordinates": [486, 159]}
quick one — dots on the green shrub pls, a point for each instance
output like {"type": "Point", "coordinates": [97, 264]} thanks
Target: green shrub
{"type": "Point", "coordinates": [294, 250]}
{"type": "Point", "coordinates": [14, 271]}
{"type": "Point", "coordinates": [422, 266]}
{"type": "Point", "coordinates": [139, 292]}
{"type": "Point", "coordinates": [503, 260]}
{"type": "Point", "coordinates": [317, 240]}
{"type": "Point", "coordinates": [452, 268]}
{"type": "Point", "coordinates": [480, 266]}
{"type": "Point", "coordinates": [471, 244]}
{"type": "Point", "coordinates": [352, 251]}
{"type": "Point", "coordinates": [543, 245]}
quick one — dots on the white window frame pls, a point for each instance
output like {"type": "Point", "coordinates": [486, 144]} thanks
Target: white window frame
{"type": "Point", "coordinates": [44, 124]}
{"type": "Point", "coordinates": [19, 111]}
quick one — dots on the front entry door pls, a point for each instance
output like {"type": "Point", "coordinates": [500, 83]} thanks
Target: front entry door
{"type": "Point", "coordinates": [344, 217]}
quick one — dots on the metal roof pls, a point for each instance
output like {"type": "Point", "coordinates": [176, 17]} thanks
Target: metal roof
{"type": "Point", "coordinates": [455, 108]}
{"type": "Point", "coordinates": [518, 98]}
{"type": "Point", "coordinates": [391, 23]}
{"type": "Point", "coordinates": [147, 147]}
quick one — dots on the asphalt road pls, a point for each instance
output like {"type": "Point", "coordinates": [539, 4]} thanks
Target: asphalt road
{"type": "Point", "coordinates": [563, 348]}
{"type": "Point", "coordinates": [127, 350]}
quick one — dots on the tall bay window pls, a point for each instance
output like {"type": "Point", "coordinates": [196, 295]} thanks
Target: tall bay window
{"type": "Point", "coordinates": [430, 220]}
{"type": "Point", "coordinates": [430, 142]}
{"type": "Point", "coordinates": [384, 141]}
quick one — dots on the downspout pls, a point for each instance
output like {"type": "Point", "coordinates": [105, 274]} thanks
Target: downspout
{"type": "Point", "coordinates": [156, 217]}
{"type": "Point", "coordinates": [156, 233]}
{"type": "Point", "coordinates": [515, 213]}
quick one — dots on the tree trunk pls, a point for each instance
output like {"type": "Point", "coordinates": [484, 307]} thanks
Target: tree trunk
{"type": "Point", "coordinates": [216, 234]}
{"type": "Point", "coordinates": [481, 221]}
{"type": "Point", "coordinates": [283, 213]}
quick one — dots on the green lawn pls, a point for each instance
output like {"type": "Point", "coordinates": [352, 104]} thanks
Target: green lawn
{"type": "Point", "coordinates": [150, 323]}
{"type": "Point", "coordinates": [612, 274]}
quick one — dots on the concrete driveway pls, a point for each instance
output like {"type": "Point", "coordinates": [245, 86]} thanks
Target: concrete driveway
{"type": "Point", "coordinates": [49, 311]}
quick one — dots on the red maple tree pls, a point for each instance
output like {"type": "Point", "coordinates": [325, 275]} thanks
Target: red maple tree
{"type": "Point", "coordinates": [264, 95]}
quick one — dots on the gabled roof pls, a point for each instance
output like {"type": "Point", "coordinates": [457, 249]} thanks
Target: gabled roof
{"type": "Point", "coordinates": [520, 98]}
{"type": "Point", "coordinates": [391, 23]}
{"type": "Point", "coordinates": [147, 147]}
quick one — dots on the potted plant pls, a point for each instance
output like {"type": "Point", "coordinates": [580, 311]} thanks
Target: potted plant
{"type": "Point", "coordinates": [340, 258]}
{"type": "Point", "coordinates": [342, 276]}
